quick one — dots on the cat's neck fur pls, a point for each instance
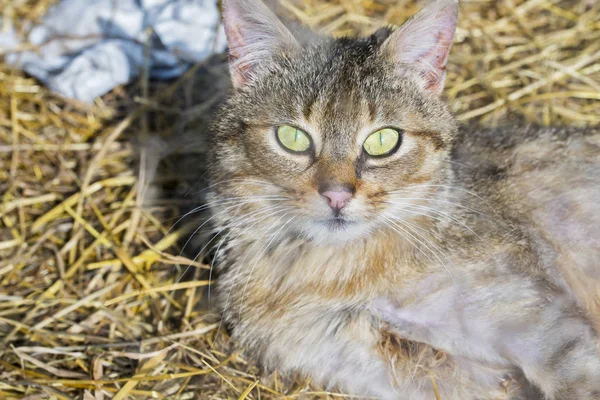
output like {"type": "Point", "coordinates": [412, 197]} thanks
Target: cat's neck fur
{"type": "Point", "coordinates": [385, 259]}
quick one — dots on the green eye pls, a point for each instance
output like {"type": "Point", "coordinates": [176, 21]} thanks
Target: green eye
{"type": "Point", "coordinates": [382, 143]}
{"type": "Point", "coordinates": [293, 139]}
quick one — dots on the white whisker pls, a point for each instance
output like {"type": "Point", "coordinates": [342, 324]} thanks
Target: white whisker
{"type": "Point", "coordinates": [260, 255]}
{"type": "Point", "coordinates": [227, 201]}
{"type": "Point", "coordinates": [238, 181]}
{"type": "Point", "coordinates": [272, 212]}
{"type": "Point", "coordinates": [256, 242]}
{"type": "Point", "coordinates": [408, 232]}
{"type": "Point", "coordinates": [237, 204]}
{"type": "Point", "coordinates": [450, 203]}
{"type": "Point", "coordinates": [442, 214]}
{"type": "Point", "coordinates": [227, 300]}
{"type": "Point", "coordinates": [449, 187]}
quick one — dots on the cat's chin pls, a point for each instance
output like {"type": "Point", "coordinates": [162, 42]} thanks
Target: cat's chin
{"type": "Point", "coordinates": [335, 231]}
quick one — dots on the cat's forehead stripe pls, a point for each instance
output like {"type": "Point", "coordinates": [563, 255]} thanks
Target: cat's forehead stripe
{"type": "Point", "coordinates": [372, 110]}
{"type": "Point", "coordinates": [307, 108]}
{"type": "Point", "coordinates": [344, 114]}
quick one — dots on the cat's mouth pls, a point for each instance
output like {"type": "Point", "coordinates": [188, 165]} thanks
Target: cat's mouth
{"type": "Point", "coordinates": [337, 223]}
{"type": "Point", "coordinates": [336, 230]}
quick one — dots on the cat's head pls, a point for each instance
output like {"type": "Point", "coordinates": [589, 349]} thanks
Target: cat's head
{"type": "Point", "coordinates": [330, 138]}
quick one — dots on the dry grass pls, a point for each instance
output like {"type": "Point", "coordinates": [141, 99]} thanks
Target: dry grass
{"type": "Point", "coordinates": [90, 303]}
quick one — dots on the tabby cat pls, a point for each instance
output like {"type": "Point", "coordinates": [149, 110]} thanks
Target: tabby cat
{"type": "Point", "coordinates": [370, 244]}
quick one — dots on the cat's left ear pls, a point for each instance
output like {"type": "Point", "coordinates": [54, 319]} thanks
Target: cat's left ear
{"type": "Point", "coordinates": [423, 43]}
{"type": "Point", "coordinates": [254, 36]}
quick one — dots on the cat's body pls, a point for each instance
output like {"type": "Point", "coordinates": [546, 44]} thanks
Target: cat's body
{"type": "Point", "coordinates": [456, 263]}
{"type": "Point", "coordinates": [309, 308]}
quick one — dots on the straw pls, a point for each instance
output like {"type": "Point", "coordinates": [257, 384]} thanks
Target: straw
{"type": "Point", "coordinates": [95, 300]}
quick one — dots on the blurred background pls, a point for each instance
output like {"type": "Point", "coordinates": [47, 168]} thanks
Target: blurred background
{"type": "Point", "coordinates": [101, 153]}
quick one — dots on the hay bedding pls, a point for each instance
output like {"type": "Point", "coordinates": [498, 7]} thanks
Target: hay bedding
{"type": "Point", "coordinates": [91, 305]}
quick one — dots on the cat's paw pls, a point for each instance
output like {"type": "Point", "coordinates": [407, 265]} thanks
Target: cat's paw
{"type": "Point", "coordinates": [401, 321]}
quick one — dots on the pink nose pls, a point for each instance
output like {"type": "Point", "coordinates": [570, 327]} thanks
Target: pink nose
{"type": "Point", "coordinates": [337, 200]}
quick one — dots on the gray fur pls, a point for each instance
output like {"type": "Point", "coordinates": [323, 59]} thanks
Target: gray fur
{"type": "Point", "coordinates": [469, 258]}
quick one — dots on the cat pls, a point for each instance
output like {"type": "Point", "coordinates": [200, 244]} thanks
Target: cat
{"type": "Point", "coordinates": [370, 244]}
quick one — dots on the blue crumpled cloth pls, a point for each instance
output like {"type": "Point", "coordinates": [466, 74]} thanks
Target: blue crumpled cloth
{"type": "Point", "coordinates": [88, 47]}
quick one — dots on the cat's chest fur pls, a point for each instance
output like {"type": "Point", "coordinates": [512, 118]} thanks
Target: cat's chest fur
{"type": "Point", "coordinates": [310, 308]}
{"type": "Point", "coordinates": [350, 274]}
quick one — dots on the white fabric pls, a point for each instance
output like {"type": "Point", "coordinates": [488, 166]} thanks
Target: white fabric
{"type": "Point", "coordinates": [88, 47]}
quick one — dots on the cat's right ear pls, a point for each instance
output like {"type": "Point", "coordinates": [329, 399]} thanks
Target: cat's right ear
{"type": "Point", "coordinates": [254, 36]}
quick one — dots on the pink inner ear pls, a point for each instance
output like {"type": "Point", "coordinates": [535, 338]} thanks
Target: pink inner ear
{"type": "Point", "coordinates": [436, 73]}
{"type": "Point", "coordinates": [254, 35]}
{"type": "Point", "coordinates": [441, 52]}
{"type": "Point", "coordinates": [424, 42]}
{"type": "Point", "coordinates": [236, 42]}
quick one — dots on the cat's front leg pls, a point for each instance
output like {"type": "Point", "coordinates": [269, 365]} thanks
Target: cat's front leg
{"type": "Point", "coordinates": [550, 341]}
{"type": "Point", "coordinates": [560, 353]}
